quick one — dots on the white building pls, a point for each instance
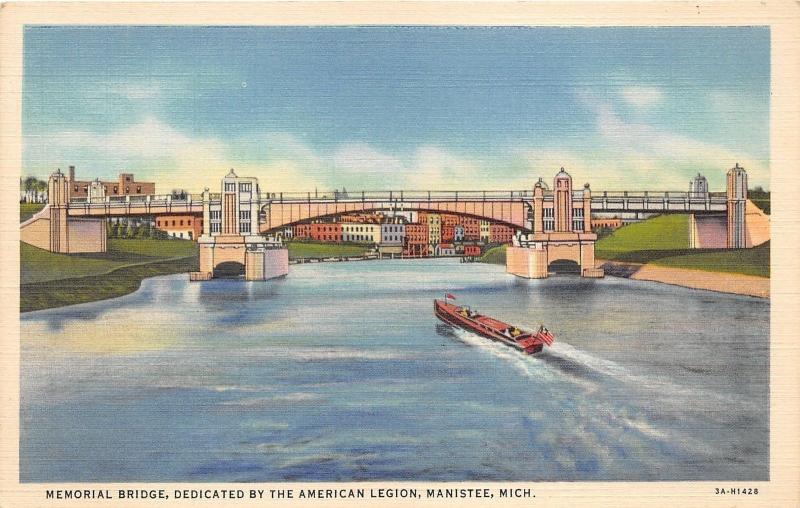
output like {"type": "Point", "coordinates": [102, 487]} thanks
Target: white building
{"type": "Point", "coordinates": [359, 232]}
{"type": "Point", "coordinates": [458, 233]}
{"type": "Point", "coordinates": [392, 233]}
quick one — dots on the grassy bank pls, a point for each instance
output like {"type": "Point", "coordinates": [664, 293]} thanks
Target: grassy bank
{"type": "Point", "coordinates": [320, 250]}
{"type": "Point", "coordinates": [664, 241]}
{"type": "Point", "coordinates": [53, 280]}
{"type": "Point", "coordinates": [753, 261]}
{"type": "Point", "coordinates": [27, 210]}
{"type": "Point", "coordinates": [661, 233]}
{"type": "Point", "coordinates": [495, 255]}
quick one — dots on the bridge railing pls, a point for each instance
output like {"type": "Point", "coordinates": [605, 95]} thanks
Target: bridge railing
{"type": "Point", "coordinates": [714, 197]}
{"type": "Point", "coordinates": [396, 195]}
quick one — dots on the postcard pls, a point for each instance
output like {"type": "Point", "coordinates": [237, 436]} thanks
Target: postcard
{"type": "Point", "coordinates": [419, 254]}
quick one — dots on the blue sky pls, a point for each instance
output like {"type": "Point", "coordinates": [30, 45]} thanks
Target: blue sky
{"type": "Point", "coordinates": [398, 107]}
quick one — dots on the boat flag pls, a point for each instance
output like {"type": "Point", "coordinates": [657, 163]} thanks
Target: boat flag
{"type": "Point", "coordinates": [448, 295]}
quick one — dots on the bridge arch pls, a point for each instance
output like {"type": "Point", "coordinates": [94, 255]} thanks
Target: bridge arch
{"type": "Point", "coordinates": [227, 269]}
{"type": "Point", "coordinates": [516, 221]}
{"type": "Point", "coordinates": [565, 266]}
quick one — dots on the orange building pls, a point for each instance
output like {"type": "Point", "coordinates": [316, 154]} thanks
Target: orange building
{"type": "Point", "coordinates": [472, 229]}
{"type": "Point", "coordinates": [180, 226]}
{"type": "Point", "coordinates": [450, 220]}
{"type": "Point", "coordinates": [500, 233]}
{"type": "Point", "coordinates": [472, 250]}
{"type": "Point", "coordinates": [125, 185]}
{"type": "Point", "coordinates": [602, 222]}
{"type": "Point", "coordinates": [326, 232]}
{"type": "Point", "coordinates": [415, 243]}
{"type": "Point", "coordinates": [448, 232]}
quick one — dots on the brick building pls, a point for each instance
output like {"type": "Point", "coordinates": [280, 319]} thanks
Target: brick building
{"type": "Point", "coordinates": [326, 232]}
{"type": "Point", "coordinates": [472, 229]}
{"type": "Point", "coordinates": [125, 185]}
{"type": "Point", "coordinates": [500, 233]}
{"type": "Point", "coordinates": [415, 243]}
{"type": "Point", "coordinates": [180, 226]}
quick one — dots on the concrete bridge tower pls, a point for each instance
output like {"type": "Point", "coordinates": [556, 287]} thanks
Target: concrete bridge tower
{"type": "Point", "coordinates": [561, 233]}
{"type": "Point", "coordinates": [230, 243]}
{"type": "Point", "coordinates": [737, 205]}
{"type": "Point", "coordinates": [52, 228]}
{"type": "Point", "coordinates": [58, 198]}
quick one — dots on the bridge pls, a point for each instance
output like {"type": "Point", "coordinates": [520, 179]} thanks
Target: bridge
{"type": "Point", "coordinates": [557, 220]}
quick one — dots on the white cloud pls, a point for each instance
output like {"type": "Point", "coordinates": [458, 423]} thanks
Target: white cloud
{"type": "Point", "coordinates": [641, 97]}
{"type": "Point", "coordinates": [668, 159]}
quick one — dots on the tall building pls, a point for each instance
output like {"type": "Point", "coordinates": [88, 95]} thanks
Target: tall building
{"type": "Point", "coordinates": [434, 230]}
{"type": "Point", "coordinates": [415, 243]}
{"type": "Point", "coordinates": [484, 229]}
{"type": "Point", "coordinates": [472, 229]}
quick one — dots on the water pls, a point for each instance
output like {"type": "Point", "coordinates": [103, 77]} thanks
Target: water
{"type": "Point", "coordinates": [341, 372]}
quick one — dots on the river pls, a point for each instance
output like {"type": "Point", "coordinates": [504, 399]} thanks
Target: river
{"type": "Point", "coordinates": [340, 372]}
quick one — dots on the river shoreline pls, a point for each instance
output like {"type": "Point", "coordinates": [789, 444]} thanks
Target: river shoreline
{"type": "Point", "coordinates": [721, 282]}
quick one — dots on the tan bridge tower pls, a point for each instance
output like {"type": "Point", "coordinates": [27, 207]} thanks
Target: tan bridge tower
{"type": "Point", "coordinates": [562, 235]}
{"type": "Point", "coordinates": [54, 230]}
{"type": "Point", "coordinates": [230, 244]}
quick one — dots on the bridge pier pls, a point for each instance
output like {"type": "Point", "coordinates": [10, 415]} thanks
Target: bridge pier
{"type": "Point", "coordinates": [562, 233]}
{"type": "Point", "coordinates": [53, 230]}
{"type": "Point", "coordinates": [229, 244]}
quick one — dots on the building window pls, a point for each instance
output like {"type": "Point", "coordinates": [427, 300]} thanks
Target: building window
{"type": "Point", "coordinates": [138, 189]}
{"type": "Point", "coordinates": [577, 212]}
{"type": "Point", "coordinates": [214, 227]}
{"type": "Point", "coordinates": [76, 188]}
{"type": "Point", "coordinates": [547, 212]}
{"type": "Point", "coordinates": [127, 179]}
{"type": "Point", "coordinates": [577, 225]}
{"type": "Point", "coordinates": [245, 187]}
{"type": "Point", "coordinates": [230, 187]}
{"type": "Point", "coordinates": [127, 190]}
{"type": "Point", "coordinates": [189, 222]}
{"type": "Point", "coordinates": [214, 214]}
{"type": "Point", "coordinates": [244, 227]}
{"type": "Point", "coordinates": [116, 190]}
{"type": "Point", "coordinates": [244, 214]}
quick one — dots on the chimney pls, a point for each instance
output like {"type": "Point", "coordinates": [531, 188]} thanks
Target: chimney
{"type": "Point", "coordinates": [72, 173]}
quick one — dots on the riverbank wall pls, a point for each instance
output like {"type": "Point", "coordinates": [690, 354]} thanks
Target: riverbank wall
{"type": "Point", "coordinates": [722, 282]}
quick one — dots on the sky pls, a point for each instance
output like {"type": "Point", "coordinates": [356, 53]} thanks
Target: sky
{"type": "Point", "coordinates": [394, 107]}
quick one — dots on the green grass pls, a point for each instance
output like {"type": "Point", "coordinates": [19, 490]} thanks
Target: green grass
{"type": "Point", "coordinates": [53, 280]}
{"type": "Point", "coordinates": [58, 293]}
{"type": "Point", "coordinates": [27, 210]}
{"type": "Point", "coordinates": [664, 241]}
{"type": "Point", "coordinates": [324, 250]}
{"type": "Point", "coordinates": [753, 261]}
{"type": "Point", "coordinates": [38, 265]}
{"type": "Point", "coordinates": [664, 232]}
{"type": "Point", "coordinates": [495, 255]}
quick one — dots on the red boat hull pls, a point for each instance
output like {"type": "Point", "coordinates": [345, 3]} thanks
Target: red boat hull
{"type": "Point", "coordinates": [529, 343]}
